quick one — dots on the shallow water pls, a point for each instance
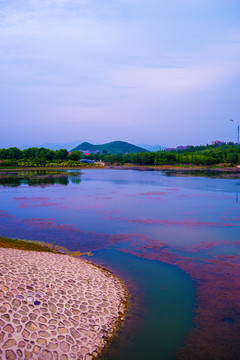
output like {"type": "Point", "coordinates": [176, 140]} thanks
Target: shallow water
{"type": "Point", "coordinates": [185, 221]}
{"type": "Point", "coordinates": [161, 297]}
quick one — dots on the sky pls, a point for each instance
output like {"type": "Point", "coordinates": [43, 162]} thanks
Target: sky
{"type": "Point", "coordinates": [142, 71]}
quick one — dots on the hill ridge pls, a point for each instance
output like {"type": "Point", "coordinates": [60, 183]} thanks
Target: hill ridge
{"type": "Point", "coordinates": [113, 147]}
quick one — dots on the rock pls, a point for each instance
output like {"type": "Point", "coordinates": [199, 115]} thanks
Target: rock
{"type": "Point", "coordinates": [10, 355]}
{"type": "Point", "coordinates": [67, 312]}
{"type": "Point", "coordinates": [69, 339]}
{"type": "Point", "coordinates": [62, 330]}
{"type": "Point", "coordinates": [9, 329]}
{"type": "Point", "coordinates": [64, 346]}
{"type": "Point", "coordinates": [9, 343]}
{"type": "Point", "coordinates": [27, 355]}
{"type": "Point", "coordinates": [52, 307]}
{"type": "Point", "coordinates": [21, 344]}
{"type": "Point", "coordinates": [52, 346]}
{"type": "Point", "coordinates": [63, 357]}
{"type": "Point", "coordinates": [19, 328]}
{"type": "Point", "coordinates": [84, 350]}
{"type": "Point", "coordinates": [36, 349]}
{"type": "Point", "coordinates": [33, 316]}
{"type": "Point", "coordinates": [42, 341]}
{"type": "Point", "coordinates": [6, 317]}
{"type": "Point", "coordinates": [75, 333]}
{"type": "Point", "coordinates": [31, 326]}
{"type": "Point", "coordinates": [1, 337]}
{"type": "Point", "coordinates": [5, 288]}
{"type": "Point", "coordinates": [47, 355]}
{"type": "Point", "coordinates": [3, 309]}
{"type": "Point", "coordinates": [42, 319]}
{"type": "Point", "coordinates": [88, 357]}
{"type": "Point", "coordinates": [55, 355]}
{"type": "Point", "coordinates": [44, 334]}
{"type": "Point", "coordinates": [19, 353]}
{"type": "Point", "coordinates": [25, 333]}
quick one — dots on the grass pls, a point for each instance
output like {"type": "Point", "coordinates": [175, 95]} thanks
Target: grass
{"type": "Point", "coordinates": [25, 245]}
{"type": "Point", "coordinates": [29, 245]}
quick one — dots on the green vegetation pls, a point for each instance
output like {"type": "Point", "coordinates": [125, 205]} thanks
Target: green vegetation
{"type": "Point", "coordinates": [115, 147]}
{"type": "Point", "coordinates": [26, 245]}
{"type": "Point", "coordinates": [39, 246]}
{"type": "Point", "coordinates": [39, 157]}
{"type": "Point", "coordinates": [208, 155]}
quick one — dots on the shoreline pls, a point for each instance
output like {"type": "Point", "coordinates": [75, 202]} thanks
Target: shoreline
{"type": "Point", "coordinates": [227, 169]}
{"type": "Point", "coordinates": [68, 306]}
{"type": "Point", "coordinates": [221, 172]}
{"type": "Point", "coordinates": [175, 167]}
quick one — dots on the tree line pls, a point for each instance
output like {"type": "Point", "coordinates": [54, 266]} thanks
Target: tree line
{"type": "Point", "coordinates": [199, 155]}
{"type": "Point", "coordinates": [38, 157]}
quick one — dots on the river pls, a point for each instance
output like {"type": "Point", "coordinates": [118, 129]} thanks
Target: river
{"type": "Point", "coordinates": [167, 237]}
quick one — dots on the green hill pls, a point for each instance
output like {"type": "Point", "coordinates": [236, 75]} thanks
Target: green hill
{"type": "Point", "coordinates": [115, 147]}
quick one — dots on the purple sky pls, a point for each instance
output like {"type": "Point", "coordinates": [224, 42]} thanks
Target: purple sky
{"type": "Point", "coordinates": [146, 71]}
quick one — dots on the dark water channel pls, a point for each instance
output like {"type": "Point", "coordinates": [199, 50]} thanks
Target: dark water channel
{"type": "Point", "coordinates": [160, 304]}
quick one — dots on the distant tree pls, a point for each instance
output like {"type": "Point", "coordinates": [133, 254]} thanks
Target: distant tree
{"type": "Point", "coordinates": [61, 154]}
{"type": "Point", "coordinates": [232, 158]}
{"type": "Point", "coordinates": [75, 156]}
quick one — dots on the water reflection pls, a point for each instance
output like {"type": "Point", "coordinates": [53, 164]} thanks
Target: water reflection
{"type": "Point", "coordinates": [190, 222]}
{"type": "Point", "coordinates": [40, 178]}
{"type": "Point", "coordinates": [208, 173]}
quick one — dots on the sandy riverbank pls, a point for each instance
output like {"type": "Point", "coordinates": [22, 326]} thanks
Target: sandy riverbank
{"type": "Point", "coordinates": [55, 306]}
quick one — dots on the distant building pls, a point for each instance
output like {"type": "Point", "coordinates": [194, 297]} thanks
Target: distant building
{"type": "Point", "coordinates": [218, 142]}
{"type": "Point", "coordinates": [89, 152]}
{"type": "Point", "coordinates": [170, 149]}
{"type": "Point", "coordinates": [99, 163]}
{"type": "Point", "coordinates": [183, 147]}
{"type": "Point", "coordinates": [179, 147]}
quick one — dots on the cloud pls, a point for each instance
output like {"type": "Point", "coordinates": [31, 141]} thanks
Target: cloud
{"type": "Point", "coordinates": [95, 63]}
{"type": "Point", "coordinates": [195, 77]}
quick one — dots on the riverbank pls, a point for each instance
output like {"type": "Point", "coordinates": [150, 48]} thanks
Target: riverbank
{"type": "Point", "coordinates": [178, 168]}
{"type": "Point", "coordinates": [224, 172]}
{"type": "Point", "coordinates": [26, 168]}
{"type": "Point", "coordinates": [56, 306]}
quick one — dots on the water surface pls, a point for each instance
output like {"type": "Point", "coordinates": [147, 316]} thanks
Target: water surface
{"type": "Point", "coordinates": [189, 222]}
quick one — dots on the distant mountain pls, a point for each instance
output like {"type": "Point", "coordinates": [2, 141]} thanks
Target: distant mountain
{"type": "Point", "coordinates": [152, 147]}
{"type": "Point", "coordinates": [115, 147]}
{"type": "Point", "coordinates": [53, 146]}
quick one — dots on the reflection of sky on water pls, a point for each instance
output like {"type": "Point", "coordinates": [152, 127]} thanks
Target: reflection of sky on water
{"type": "Point", "coordinates": [178, 211]}
{"type": "Point", "coordinates": [192, 223]}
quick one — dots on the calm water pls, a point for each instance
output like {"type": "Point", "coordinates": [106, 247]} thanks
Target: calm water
{"type": "Point", "coordinates": [113, 213]}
